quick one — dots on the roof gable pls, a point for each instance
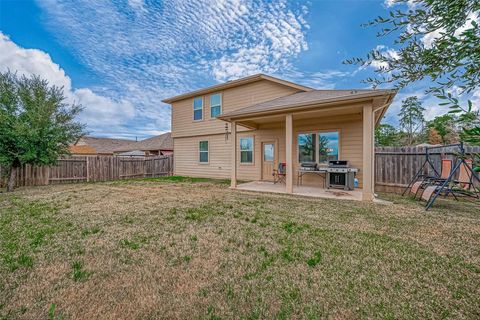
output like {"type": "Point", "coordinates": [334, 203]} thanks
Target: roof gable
{"type": "Point", "coordinates": [236, 83]}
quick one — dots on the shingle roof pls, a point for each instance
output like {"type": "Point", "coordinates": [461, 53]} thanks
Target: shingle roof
{"type": "Point", "coordinates": [161, 142]}
{"type": "Point", "coordinates": [82, 150]}
{"type": "Point", "coordinates": [304, 99]}
{"type": "Point", "coordinates": [103, 145]}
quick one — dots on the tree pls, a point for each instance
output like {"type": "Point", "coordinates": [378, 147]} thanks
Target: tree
{"type": "Point", "coordinates": [443, 129]}
{"type": "Point", "coordinates": [411, 118]}
{"type": "Point", "coordinates": [386, 136]}
{"type": "Point", "coordinates": [36, 125]}
{"type": "Point", "coordinates": [434, 137]}
{"type": "Point", "coordinates": [435, 39]}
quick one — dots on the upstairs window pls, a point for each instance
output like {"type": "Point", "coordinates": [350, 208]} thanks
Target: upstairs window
{"type": "Point", "coordinates": [215, 105]}
{"type": "Point", "coordinates": [198, 108]}
{"type": "Point", "coordinates": [203, 151]}
{"type": "Point", "coordinates": [246, 150]}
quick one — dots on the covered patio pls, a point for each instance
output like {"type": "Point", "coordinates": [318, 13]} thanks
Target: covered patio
{"type": "Point", "coordinates": [279, 123]}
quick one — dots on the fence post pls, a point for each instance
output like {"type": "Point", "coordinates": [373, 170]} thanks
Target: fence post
{"type": "Point", "coordinates": [88, 169]}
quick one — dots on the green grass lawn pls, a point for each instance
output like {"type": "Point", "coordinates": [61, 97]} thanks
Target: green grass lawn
{"type": "Point", "coordinates": [192, 248]}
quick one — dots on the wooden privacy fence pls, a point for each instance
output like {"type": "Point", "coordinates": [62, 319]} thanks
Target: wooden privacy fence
{"type": "Point", "coordinates": [91, 168]}
{"type": "Point", "coordinates": [396, 166]}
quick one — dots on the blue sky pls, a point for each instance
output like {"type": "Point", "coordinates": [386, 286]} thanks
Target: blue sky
{"type": "Point", "coordinates": [120, 58]}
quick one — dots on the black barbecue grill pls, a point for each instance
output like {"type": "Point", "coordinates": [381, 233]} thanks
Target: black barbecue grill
{"type": "Point", "coordinates": [340, 175]}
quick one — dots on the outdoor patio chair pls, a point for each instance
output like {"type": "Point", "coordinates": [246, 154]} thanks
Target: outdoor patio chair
{"type": "Point", "coordinates": [279, 175]}
{"type": "Point", "coordinates": [427, 180]}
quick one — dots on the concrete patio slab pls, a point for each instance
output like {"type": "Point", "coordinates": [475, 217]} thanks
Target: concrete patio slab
{"type": "Point", "coordinates": [307, 191]}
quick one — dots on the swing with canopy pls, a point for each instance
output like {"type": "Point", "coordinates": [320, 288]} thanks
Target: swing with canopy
{"type": "Point", "coordinates": [429, 187]}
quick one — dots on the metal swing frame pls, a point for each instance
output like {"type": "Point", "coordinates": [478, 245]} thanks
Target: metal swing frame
{"type": "Point", "coordinates": [458, 162]}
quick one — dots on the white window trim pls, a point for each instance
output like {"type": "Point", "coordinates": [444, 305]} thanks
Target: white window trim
{"type": "Point", "coordinates": [240, 151]}
{"type": "Point", "coordinates": [199, 151]}
{"type": "Point", "coordinates": [193, 109]}
{"type": "Point", "coordinates": [220, 105]}
{"type": "Point", "coordinates": [317, 143]}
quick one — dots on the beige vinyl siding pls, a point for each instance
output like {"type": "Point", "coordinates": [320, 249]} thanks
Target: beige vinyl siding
{"type": "Point", "coordinates": [183, 124]}
{"type": "Point", "coordinates": [247, 171]}
{"type": "Point", "coordinates": [186, 149]}
{"type": "Point", "coordinates": [186, 162]}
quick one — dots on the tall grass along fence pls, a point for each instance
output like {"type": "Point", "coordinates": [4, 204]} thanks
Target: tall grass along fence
{"type": "Point", "coordinates": [396, 166]}
{"type": "Point", "coordinates": [91, 168]}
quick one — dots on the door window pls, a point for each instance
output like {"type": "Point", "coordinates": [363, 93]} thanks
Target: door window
{"type": "Point", "coordinates": [268, 152]}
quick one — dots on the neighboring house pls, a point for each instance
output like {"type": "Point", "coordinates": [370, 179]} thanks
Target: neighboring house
{"type": "Point", "coordinates": [87, 145]}
{"type": "Point", "coordinates": [155, 146]}
{"type": "Point", "coordinates": [275, 121]}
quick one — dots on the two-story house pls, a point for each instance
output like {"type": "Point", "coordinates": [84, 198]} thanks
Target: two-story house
{"type": "Point", "coordinates": [243, 130]}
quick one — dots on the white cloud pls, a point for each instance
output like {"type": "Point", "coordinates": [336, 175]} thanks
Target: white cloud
{"type": "Point", "coordinates": [278, 35]}
{"type": "Point", "coordinates": [429, 39]}
{"type": "Point", "coordinates": [137, 4]}
{"type": "Point", "coordinates": [175, 46]}
{"type": "Point", "coordinates": [327, 79]}
{"type": "Point", "coordinates": [387, 52]}
{"type": "Point", "coordinates": [476, 100]}
{"type": "Point", "coordinates": [411, 4]}
{"type": "Point", "coordinates": [162, 49]}
{"type": "Point", "coordinates": [99, 109]}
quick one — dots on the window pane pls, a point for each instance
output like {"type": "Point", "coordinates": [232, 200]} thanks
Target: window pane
{"type": "Point", "coordinates": [306, 147]}
{"type": "Point", "coordinates": [203, 156]}
{"type": "Point", "coordinates": [203, 146]}
{"type": "Point", "coordinates": [246, 144]}
{"type": "Point", "coordinates": [214, 112]}
{"type": "Point", "coordinates": [215, 99]}
{"type": "Point", "coordinates": [328, 146]}
{"type": "Point", "coordinates": [197, 103]}
{"type": "Point", "coordinates": [268, 152]}
{"type": "Point", "coordinates": [197, 114]}
{"type": "Point", "coordinates": [246, 156]}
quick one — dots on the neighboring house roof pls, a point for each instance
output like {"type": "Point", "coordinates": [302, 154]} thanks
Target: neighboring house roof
{"type": "Point", "coordinates": [135, 153]}
{"type": "Point", "coordinates": [235, 83]}
{"type": "Point", "coordinates": [82, 149]}
{"type": "Point", "coordinates": [161, 142]}
{"type": "Point", "coordinates": [305, 100]}
{"type": "Point", "coordinates": [102, 145]}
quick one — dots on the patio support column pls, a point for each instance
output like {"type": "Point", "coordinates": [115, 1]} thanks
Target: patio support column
{"type": "Point", "coordinates": [233, 179]}
{"type": "Point", "coordinates": [368, 149]}
{"type": "Point", "coordinates": [289, 152]}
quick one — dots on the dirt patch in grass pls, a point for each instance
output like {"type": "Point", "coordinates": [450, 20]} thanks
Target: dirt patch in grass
{"type": "Point", "coordinates": [182, 248]}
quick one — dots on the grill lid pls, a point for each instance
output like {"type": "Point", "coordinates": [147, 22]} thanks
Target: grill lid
{"type": "Point", "coordinates": [338, 163]}
{"type": "Point", "coordinates": [308, 164]}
